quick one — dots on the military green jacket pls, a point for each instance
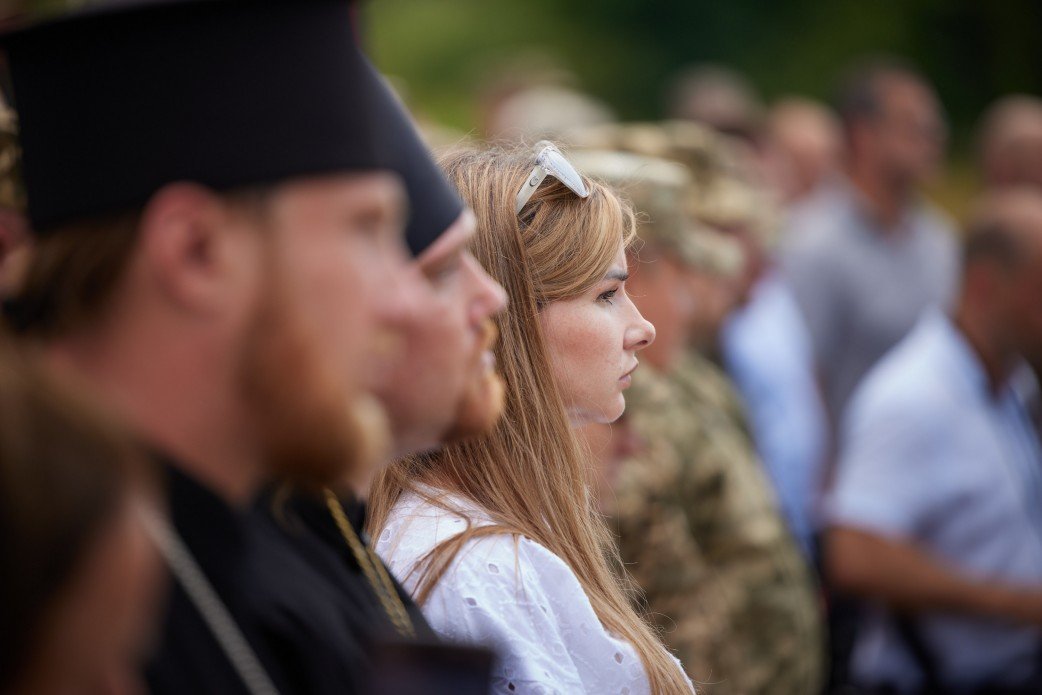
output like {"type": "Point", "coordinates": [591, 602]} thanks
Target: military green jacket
{"type": "Point", "coordinates": [701, 534]}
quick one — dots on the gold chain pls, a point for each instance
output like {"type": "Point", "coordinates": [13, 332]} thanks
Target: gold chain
{"type": "Point", "coordinates": [373, 568]}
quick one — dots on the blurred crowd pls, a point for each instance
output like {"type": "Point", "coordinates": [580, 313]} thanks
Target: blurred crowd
{"type": "Point", "coordinates": [828, 475]}
{"type": "Point", "coordinates": [827, 478]}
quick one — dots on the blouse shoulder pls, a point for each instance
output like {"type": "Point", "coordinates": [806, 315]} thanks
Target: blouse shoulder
{"type": "Point", "coordinates": [515, 595]}
{"type": "Point", "coordinates": [417, 526]}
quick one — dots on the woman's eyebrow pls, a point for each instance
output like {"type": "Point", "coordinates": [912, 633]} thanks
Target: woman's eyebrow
{"type": "Point", "coordinates": [620, 275]}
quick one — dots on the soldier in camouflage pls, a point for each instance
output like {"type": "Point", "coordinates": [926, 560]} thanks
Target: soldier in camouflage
{"type": "Point", "coordinates": [698, 525]}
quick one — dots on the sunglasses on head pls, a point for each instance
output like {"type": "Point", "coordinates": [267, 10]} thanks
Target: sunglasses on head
{"type": "Point", "coordinates": [550, 162]}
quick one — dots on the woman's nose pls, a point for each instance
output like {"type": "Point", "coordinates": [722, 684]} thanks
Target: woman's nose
{"type": "Point", "coordinates": [641, 332]}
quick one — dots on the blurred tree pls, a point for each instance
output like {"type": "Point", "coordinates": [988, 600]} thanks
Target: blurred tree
{"type": "Point", "coordinates": [626, 52]}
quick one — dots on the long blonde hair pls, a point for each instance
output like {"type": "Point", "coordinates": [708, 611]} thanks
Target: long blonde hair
{"type": "Point", "coordinates": [530, 473]}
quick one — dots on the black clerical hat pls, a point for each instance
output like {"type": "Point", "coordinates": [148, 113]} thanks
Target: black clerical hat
{"type": "Point", "coordinates": [114, 102]}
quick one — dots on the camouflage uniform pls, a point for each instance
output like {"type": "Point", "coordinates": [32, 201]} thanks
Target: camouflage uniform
{"type": "Point", "coordinates": [700, 533]}
{"type": "Point", "coordinates": [698, 524]}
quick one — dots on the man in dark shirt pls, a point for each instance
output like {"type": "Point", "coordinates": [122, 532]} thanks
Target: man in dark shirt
{"type": "Point", "coordinates": [231, 286]}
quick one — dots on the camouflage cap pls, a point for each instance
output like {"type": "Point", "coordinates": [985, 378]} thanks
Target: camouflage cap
{"type": "Point", "coordinates": [657, 188]}
{"type": "Point", "coordinates": [721, 255]}
{"type": "Point", "coordinates": [698, 148]}
{"type": "Point", "coordinates": [721, 193]}
{"type": "Point", "coordinates": [727, 202]}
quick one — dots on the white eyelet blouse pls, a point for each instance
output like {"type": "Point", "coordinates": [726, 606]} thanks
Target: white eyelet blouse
{"type": "Point", "coordinates": [517, 598]}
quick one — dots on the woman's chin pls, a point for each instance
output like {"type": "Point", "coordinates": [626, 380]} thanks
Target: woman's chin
{"type": "Point", "coordinates": [604, 415]}
{"type": "Point", "coordinates": [616, 412]}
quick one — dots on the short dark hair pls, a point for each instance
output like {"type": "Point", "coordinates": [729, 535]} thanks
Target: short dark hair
{"type": "Point", "coordinates": [859, 93]}
{"type": "Point", "coordinates": [991, 240]}
{"type": "Point", "coordinates": [1003, 228]}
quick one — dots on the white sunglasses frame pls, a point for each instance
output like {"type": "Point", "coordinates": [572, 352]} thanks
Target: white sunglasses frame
{"type": "Point", "coordinates": [546, 166]}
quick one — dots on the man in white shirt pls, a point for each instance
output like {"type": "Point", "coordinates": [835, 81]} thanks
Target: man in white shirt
{"type": "Point", "coordinates": [936, 514]}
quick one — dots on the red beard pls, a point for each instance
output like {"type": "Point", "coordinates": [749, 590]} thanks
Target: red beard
{"type": "Point", "coordinates": [312, 430]}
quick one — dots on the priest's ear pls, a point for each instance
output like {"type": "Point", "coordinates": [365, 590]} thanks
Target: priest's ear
{"type": "Point", "coordinates": [198, 250]}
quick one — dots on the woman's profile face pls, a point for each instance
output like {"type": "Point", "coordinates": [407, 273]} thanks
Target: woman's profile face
{"type": "Point", "coordinates": [593, 341]}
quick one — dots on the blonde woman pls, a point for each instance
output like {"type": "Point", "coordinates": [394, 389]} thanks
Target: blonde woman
{"type": "Point", "coordinates": [497, 537]}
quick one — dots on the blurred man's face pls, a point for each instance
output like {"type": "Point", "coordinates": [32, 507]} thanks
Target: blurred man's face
{"type": "Point", "coordinates": [610, 445]}
{"type": "Point", "coordinates": [804, 148]}
{"type": "Point", "coordinates": [445, 385]}
{"type": "Point", "coordinates": [1010, 142]}
{"type": "Point", "coordinates": [754, 262]}
{"type": "Point", "coordinates": [325, 332]}
{"type": "Point", "coordinates": [716, 297]}
{"type": "Point", "coordinates": [1027, 164]}
{"type": "Point", "coordinates": [661, 290]}
{"type": "Point", "coordinates": [1028, 314]}
{"type": "Point", "coordinates": [1024, 311]}
{"type": "Point", "coordinates": [909, 135]}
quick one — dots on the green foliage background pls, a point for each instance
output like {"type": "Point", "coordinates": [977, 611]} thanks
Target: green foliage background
{"type": "Point", "coordinates": [625, 51]}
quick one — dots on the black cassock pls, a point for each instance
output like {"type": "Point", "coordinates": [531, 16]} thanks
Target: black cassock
{"type": "Point", "coordinates": [302, 602]}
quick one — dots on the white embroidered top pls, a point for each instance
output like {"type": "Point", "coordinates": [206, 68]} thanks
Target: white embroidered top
{"type": "Point", "coordinates": [517, 598]}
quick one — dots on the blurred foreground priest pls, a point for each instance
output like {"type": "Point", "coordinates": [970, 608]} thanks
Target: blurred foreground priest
{"type": "Point", "coordinates": [217, 192]}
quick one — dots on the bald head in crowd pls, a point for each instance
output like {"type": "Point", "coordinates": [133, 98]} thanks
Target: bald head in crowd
{"type": "Point", "coordinates": [1010, 142]}
{"type": "Point", "coordinates": [804, 136]}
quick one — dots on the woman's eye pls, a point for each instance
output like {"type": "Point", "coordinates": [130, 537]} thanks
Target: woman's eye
{"type": "Point", "coordinates": [606, 296]}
